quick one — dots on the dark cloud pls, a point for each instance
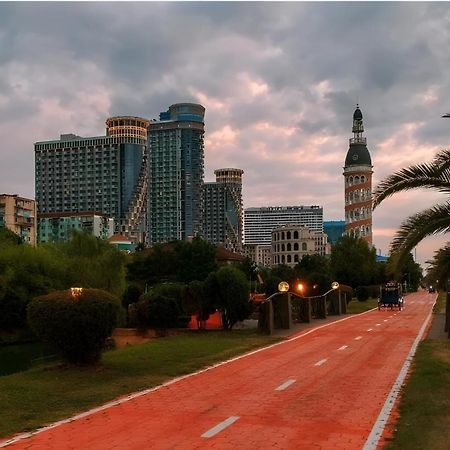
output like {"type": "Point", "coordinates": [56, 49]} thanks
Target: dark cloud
{"type": "Point", "coordinates": [279, 80]}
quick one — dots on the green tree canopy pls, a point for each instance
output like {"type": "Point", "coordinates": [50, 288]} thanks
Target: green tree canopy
{"type": "Point", "coordinates": [228, 289]}
{"type": "Point", "coordinates": [353, 262]}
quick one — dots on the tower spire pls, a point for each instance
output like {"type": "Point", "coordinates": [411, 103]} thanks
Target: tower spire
{"type": "Point", "coordinates": [358, 183]}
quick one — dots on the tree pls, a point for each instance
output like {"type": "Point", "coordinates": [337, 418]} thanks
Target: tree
{"type": "Point", "coordinates": [439, 269]}
{"type": "Point", "coordinates": [8, 237]}
{"type": "Point", "coordinates": [196, 260]}
{"type": "Point", "coordinates": [353, 263]}
{"type": "Point", "coordinates": [316, 272]}
{"type": "Point", "coordinates": [434, 175]}
{"type": "Point", "coordinates": [228, 289]}
{"type": "Point", "coordinates": [195, 301]}
{"type": "Point", "coordinates": [409, 272]}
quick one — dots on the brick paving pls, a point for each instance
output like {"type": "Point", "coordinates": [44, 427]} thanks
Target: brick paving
{"type": "Point", "coordinates": [333, 405]}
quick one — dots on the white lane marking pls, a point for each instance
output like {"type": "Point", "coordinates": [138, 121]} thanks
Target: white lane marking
{"type": "Point", "coordinates": [378, 324]}
{"type": "Point", "coordinates": [285, 385]}
{"type": "Point", "coordinates": [378, 427]}
{"type": "Point", "coordinates": [385, 320]}
{"type": "Point", "coordinates": [412, 303]}
{"type": "Point", "coordinates": [343, 347]}
{"type": "Point", "coordinates": [369, 329]}
{"type": "Point", "coordinates": [220, 426]}
{"type": "Point", "coordinates": [322, 361]}
{"type": "Point", "coordinates": [358, 338]}
{"type": "Point", "coordinates": [26, 435]}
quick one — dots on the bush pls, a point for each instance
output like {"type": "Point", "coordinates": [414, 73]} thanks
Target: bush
{"type": "Point", "coordinates": [362, 293]}
{"type": "Point", "coordinates": [161, 308]}
{"type": "Point", "coordinates": [77, 326]}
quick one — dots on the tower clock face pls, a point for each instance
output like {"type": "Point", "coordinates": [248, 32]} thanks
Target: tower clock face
{"type": "Point", "coordinates": [355, 157]}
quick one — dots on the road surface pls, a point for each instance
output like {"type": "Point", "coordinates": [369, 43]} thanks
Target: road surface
{"type": "Point", "coordinates": [322, 389]}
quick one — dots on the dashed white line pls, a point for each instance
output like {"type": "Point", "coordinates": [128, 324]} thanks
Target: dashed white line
{"type": "Point", "coordinates": [357, 338]}
{"type": "Point", "coordinates": [285, 385]}
{"type": "Point", "coordinates": [343, 347]}
{"type": "Point", "coordinates": [369, 329]}
{"type": "Point", "coordinates": [219, 427]}
{"type": "Point", "coordinates": [378, 324]}
{"type": "Point", "coordinates": [385, 320]}
{"type": "Point", "coordinates": [322, 361]}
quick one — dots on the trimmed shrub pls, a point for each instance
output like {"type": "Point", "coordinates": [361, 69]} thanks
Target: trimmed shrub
{"type": "Point", "coordinates": [77, 326]}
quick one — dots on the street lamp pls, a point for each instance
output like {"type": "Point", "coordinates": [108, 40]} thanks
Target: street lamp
{"type": "Point", "coordinates": [283, 286]}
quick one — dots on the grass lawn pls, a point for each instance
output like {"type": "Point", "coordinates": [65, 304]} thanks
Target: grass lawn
{"type": "Point", "coordinates": [356, 307]}
{"type": "Point", "coordinates": [425, 405]}
{"type": "Point", "coordinates": [48, 393]}
{"type": "Point", "coordinates": [439, 308]}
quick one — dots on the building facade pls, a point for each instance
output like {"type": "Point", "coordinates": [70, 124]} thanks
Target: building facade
{"type": "Point", "coordinates": [56, 227]}
{"type": "Point", "coordinates": [176, 171]}
{"type": "Point", "coordinates": [334, 229]}
{"type": "Point", "coordinates": [259, 222]}
{"type": "Point", "coordinates": [223, 212]}
{"type": "Point", "coordinates": [260, 254]}
{"type": "Point", "coordinates": [18, 214]}
{"type": "Point", "coordinates": [291, 242]}
{"type": "Point", "coordinates": [358, 183]}
{"type": "Point", "coordinates": [106, 174]}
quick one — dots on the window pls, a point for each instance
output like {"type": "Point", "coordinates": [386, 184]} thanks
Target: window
{"type": "Point", "coordinates": [304, 247]}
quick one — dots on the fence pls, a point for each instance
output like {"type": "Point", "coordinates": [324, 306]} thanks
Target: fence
{"type": "Point", "coordinates": [282, 310]}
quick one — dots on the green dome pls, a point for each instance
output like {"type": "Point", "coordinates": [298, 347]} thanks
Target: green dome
{"type": "Point", "coordinates": [358, 155]}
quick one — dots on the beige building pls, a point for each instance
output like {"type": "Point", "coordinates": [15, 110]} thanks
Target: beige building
{"type": "Point", "coordinates": [18, 214]}
{"type": "Point", "coordinates": [261, 254]}
{"type": "Point", "coordinates": [290, 243]}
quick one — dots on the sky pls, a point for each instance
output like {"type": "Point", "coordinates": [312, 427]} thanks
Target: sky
{"type": "Point", "coordinates": [279, 81]}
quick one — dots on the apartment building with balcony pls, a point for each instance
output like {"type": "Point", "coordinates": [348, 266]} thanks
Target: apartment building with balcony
{"type": "Point", "coordinates": [18, 214]}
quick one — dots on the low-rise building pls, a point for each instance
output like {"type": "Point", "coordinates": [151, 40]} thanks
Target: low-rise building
{"type": "Point", "coordinates": [261, 254]}
{"type": "Point", "coordinates": [18, 214]}
{"type": "Point", "coordinates": [290, 243]}
{"type": "Point", "coordinates": [57, 227]}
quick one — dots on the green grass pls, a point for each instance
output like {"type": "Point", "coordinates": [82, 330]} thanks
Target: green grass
{"type": "Point", "coordinates": [356, 307]}
{"type": "Point", "coordinates": [425, 405]}
{"type": "Point", "coordinates": [439, 308]}
{"type": "Point", "coordinates": [45, 394]}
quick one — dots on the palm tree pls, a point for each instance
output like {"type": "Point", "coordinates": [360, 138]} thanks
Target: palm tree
{"type": "Point", "coordinates": [433, 175]}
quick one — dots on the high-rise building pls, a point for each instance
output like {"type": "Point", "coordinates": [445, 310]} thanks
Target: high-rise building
{"type": "Point", "coordinates": [18, 214]}
{"type": "Point", "coordinates": [54, 227]}
{"type": "Point", "coordinates": [176, 168]}
{"type": "Point", "coordinates": [103, 174]}
{"type": "Point", "coordinates": [358, 183]}
{"type": "Point", "coordinates": [259, 222]}
{"type": "Point", "coordinates": [223, 220]}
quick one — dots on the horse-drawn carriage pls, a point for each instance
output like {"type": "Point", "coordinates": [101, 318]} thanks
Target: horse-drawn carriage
{"type": "Point", "coordinates": [391, 296]}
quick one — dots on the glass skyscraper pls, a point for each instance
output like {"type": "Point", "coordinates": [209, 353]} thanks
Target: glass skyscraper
{"type": "Point", "coordinates": [176, 168]}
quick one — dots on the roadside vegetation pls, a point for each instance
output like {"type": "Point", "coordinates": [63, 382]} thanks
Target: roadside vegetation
{"type": "Point", "coordinates": [40, 395]}
{"type": "Point", "coordinates": [424, 421]}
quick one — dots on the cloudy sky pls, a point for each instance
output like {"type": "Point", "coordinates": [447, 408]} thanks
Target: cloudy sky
{"type": "Point", "coordinates": [279, 82]}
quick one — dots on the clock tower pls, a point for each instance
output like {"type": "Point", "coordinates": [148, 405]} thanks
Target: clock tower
{"type": "Point", "coordinates": [358, 183]}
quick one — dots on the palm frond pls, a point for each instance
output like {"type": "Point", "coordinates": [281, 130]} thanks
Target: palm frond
{"type": "Point", "coordinates": [415, 228]}
{"type": "Point", "coordinates": [427, 175]}
{"type": "Point", "coordinates": [434, 175]}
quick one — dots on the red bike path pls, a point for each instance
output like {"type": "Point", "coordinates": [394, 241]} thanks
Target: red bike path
{"type": "Point", "coordinates": [321, 389]}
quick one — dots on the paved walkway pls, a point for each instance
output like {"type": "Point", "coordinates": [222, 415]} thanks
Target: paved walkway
{"type": "Point", "coordinates": [322, 389]}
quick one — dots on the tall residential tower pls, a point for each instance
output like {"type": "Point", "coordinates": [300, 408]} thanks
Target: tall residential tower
{"type": "Point", "coordinates": [223, 218]}
{"type": "Point", "coordinates": [106, 175]}
{"type": "Point", "coordinates": [358, 183]}
{"type": "Point", "coordinates": [176, 160]}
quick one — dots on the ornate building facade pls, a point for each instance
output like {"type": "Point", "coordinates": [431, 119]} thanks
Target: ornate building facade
{"type": "Point", "coordinates": [358, 183]}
